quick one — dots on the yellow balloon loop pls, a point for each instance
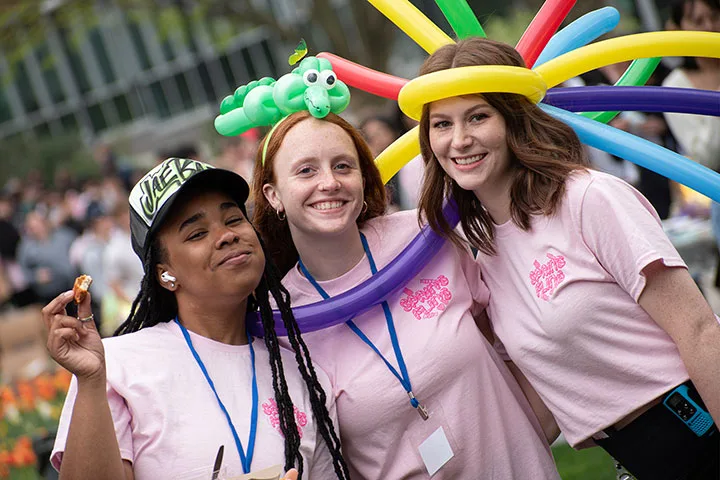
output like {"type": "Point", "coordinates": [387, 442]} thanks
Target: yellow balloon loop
{"type": "Point", "coordinates": [629, 47]}
{"type": "Point", "coordinates": [414, 23]}
{"type": "Point", "coordinates": [398, 154]}
{"type": "Point", "coordinates": [469, 80]}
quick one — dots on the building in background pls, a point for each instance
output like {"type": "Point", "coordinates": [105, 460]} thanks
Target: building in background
{"type": "Point", "coordinates": [121, 79]}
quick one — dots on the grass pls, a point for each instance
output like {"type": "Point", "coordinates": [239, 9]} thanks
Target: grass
{"type": "Point", "coordinates": [588, 464]}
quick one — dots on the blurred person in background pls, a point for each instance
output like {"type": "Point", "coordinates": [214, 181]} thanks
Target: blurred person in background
{"type": "Point", "coordinates": [75, 205]}
{"type": "Point", "coordinates": [53, 206]}
{"type": "Point", "coordinates": [106, 159]}
{"type": "Point", "coordinates": [43, 255]}
{"type": "Point", "coordinates": [698, 136]}
{"type": "Point", "coordinates": [34, 177]}
{"type": "Point", "coordinates": [90, 192]}
{"type": "Point", "coordinates": [599, 159]}
{"type": "Point", "coordinates": [655, 187]}
{"type": "Point", "coordinates": [111, 165]}
{"type": "Point", "coordinates": [179, 151]}
{"type": "Point", "coordinates": [651, 126]}
{"type": "Point", "coordinates": [29, 194]}
{"type": "Point", "coordinates": [238, 154]}
{"type": "Point", "coordinates": [123, 272]}
{"type": "Point", "coordinates": [14, 287]}
{"type": "Point", "coordinates": [12, 191]}
{"type": "Point", "coordinates": [62, 179]}
{"type": "Point", "coordinates": [409, 179]}
{"type": "Point", "coordinates": [88, 250]}
{"type": "Point", "coordinates": [112, 192]}
{"type": "Point", "coordinates": [380, 132]}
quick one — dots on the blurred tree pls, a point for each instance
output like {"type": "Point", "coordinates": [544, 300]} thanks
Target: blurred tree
{"type": "Point", "coordinates": [352, 29]}
{"type": "Point", "coordinates": [507, 20]}
{"type": "Point", "coordinates": [45, 155]}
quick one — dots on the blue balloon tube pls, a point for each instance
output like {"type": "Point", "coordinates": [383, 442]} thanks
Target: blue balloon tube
{"type": "Point", "coordinates": [580, 32]}
{"type": "Point", "coordinates": [641, 152]}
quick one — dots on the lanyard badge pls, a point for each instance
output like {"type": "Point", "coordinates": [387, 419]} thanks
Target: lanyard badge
{"type": "Point", "coordinates": [403, 376]}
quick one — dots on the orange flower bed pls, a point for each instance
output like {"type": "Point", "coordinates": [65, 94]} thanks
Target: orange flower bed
{"type": "Point", "coordinates": [29, 409]}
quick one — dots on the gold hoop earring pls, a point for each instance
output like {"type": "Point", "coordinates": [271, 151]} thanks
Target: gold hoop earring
{"type": "Point", "coordinates": [365, 207]}
{"type": "Point", "coordinates": [279, 213]}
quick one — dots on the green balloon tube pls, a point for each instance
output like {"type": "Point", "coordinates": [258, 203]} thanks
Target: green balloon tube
{"type": "Point", "coordinates": [461, 18]}
{"type": "Point", "coordinates": [637, 73]}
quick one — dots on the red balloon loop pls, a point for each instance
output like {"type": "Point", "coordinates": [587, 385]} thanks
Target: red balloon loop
{"type": "Point", "coordinates": [365, 79]}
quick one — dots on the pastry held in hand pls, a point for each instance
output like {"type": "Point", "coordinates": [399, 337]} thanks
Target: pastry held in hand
{"type": "Point", "coordinates": [80, 289]}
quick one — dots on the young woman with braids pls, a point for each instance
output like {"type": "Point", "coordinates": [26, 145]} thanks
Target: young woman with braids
{"type": "Point", "coordinates": [183, 377]}
{"type": "Point", "coordinates": [448, 408]}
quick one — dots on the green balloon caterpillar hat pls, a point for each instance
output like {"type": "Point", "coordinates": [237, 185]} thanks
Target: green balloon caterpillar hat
{"type": "Point", "coordinates": [311, 86]}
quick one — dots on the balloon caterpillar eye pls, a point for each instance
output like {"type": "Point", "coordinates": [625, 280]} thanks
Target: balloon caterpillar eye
{"type": "Point", "coordinates": [328, 79]}
{"type": "Point", "coordinates": [311, 77]}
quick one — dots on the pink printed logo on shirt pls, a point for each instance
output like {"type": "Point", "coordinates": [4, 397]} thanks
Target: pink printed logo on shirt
{"type": "Point", "coordinates": [271, 410]}
{"type": "Point", "coordinates": [428, 301]}
{"type": "Point", "coordinates": [545, 277]}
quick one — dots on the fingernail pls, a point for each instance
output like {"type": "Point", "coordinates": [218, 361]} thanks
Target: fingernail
{"type": "Point", "coordinates": [68, 293]}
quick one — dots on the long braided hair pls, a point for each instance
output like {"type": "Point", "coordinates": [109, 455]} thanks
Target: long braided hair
{"type": "Point", "coordinates": [155, 304]}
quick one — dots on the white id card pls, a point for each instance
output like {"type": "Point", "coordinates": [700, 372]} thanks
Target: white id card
{"type": "Point", "coordinates": [435, 451]}
{"type": "Point", "coordinates": [272, 473]}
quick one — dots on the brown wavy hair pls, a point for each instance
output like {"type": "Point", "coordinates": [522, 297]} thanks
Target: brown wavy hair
{"type": "Point", "coordinates": [543, 152]}
{"type": "Point", "coordinates": [275, 232]}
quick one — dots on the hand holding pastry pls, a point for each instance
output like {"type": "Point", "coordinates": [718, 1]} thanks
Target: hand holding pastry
{"type": "Point", "coordinates": [75, 342]}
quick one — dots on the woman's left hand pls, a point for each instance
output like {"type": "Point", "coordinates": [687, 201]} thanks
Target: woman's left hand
{"type": "Point", "coordinates": [74, 343]}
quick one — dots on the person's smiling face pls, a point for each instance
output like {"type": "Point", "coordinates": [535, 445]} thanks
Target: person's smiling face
{"type": "Point", "coordinates": [318, 181]}
{"type": "Point", "coordinates": [210, 248]}
{"type": "Point", "coordinates": [469, 139]}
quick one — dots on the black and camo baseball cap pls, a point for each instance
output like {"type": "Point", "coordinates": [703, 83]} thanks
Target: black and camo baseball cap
{"type": "Point", "coordinates": [153, 196]}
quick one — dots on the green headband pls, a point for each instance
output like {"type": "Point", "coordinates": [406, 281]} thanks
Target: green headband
{"type": "Point", "coordinates": [267, 139]}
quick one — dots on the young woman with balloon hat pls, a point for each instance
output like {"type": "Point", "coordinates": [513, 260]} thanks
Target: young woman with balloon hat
{"type": "Point", "coordinates": [588, 296]}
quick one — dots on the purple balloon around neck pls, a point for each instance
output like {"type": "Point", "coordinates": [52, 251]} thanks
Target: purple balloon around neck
{"type": "Point", "coordinates": [371, 292]}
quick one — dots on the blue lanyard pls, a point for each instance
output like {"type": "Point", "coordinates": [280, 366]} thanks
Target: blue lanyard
{"type": "Point", "coordinates": [403, 376]}
{"type": "Point", "coordinates": [246, 461]}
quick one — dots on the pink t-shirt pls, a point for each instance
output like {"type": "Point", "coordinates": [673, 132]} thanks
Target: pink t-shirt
{"type": "Point", "coordinates": [454, 372]}
{"type": "Point", "coordinates": [564, 304]}
{"type": "Point", "coordinates": [167, 420]}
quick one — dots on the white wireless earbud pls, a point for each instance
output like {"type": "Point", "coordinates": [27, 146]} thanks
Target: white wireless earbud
{"type": "Point", "coordinates": [166, 277]}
